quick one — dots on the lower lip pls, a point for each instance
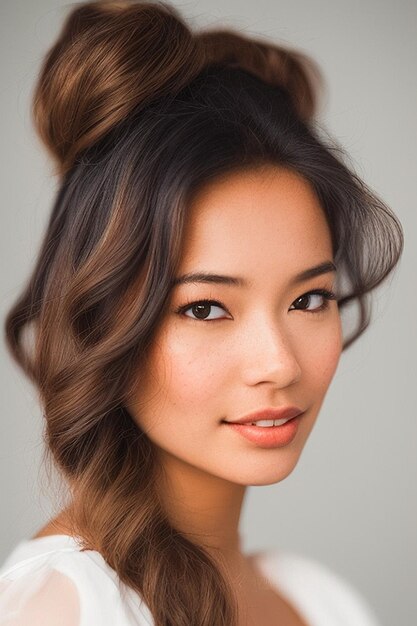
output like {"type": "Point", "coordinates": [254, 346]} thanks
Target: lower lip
{"type": "Point", "coordinates": [269, 436]}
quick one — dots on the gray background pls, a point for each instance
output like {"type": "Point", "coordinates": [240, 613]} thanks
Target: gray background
{"type": "Point", "coordinates": [350, 502]}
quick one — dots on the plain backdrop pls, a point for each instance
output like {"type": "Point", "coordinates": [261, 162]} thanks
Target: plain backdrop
{"type": "Point", "coordinates": [350, 502]}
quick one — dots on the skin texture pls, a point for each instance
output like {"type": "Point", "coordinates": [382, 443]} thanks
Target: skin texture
{"type": "Point", "coordinates": [259, 349]}
{"type": "Point", "coordinates": [256, 351]}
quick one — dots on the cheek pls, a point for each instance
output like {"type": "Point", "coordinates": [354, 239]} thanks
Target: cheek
{"type": "Point", "coordinates": [184, 376]}
{"type": "Point", "coordinates": [194, 368]}
{"type": "Point", "coordinates": [323, 355]}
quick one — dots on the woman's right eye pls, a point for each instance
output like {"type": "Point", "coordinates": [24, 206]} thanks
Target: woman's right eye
{"type": "Point", "coordinates": [201, 310]}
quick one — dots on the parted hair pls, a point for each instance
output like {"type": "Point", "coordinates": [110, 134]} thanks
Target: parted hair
{"type": "Point", "coordinates": [137, 111]}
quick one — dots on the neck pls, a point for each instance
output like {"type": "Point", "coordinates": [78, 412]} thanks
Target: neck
{"type": "Point", "coordinates": [204, 507]}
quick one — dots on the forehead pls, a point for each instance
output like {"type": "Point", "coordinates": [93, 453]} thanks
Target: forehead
{"type": "Point", "coordinates": [261, 220]}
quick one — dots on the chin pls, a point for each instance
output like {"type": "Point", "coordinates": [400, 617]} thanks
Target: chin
{"type": "Point", "coordinates": [268, 472]}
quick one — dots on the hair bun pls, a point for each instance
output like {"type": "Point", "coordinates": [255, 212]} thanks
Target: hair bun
{"type": "Point", "coordinates": [113, 55]}
{"type": "Point", "coordinates": [275, 65]}
{"type": "Point", "coordinates": [108, 58]}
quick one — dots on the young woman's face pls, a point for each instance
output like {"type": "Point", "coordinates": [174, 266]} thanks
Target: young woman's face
{"type": "Point", "coordinates": [257, 346]}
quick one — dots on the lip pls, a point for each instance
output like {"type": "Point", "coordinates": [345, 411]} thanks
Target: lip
{"type": "Point", "coordinates": [270, 413]}
{"type": "Point", "coordinates": [270, 436]}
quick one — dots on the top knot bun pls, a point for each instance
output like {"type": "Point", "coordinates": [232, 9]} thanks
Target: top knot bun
{"type": "Point", "coordinates": [113, 55]}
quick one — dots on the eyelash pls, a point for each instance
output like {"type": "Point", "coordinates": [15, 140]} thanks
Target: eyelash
{"type": "Point", "coordinates": [327, 295]}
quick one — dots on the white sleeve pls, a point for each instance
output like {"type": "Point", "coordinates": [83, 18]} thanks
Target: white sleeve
{"type": "Point", "coordinates": [43, 597]}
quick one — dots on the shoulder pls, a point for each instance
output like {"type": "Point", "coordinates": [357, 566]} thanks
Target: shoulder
{"type": "Point", "coordinates": [42, 601]}
{"type": "Point", "coordinates": [64, 585]}
{"type": "Point", "coordinates": [34, 590]}
{"type": "Point", "coordinates": [324, 594]}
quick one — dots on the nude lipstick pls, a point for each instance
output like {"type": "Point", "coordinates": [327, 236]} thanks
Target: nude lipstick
{"type": "Point", "coordinates": [268, 428]}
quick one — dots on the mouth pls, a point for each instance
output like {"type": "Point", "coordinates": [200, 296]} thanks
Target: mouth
{"type": "Point", "coordinates": [268, 436]}
{"type": "Point", "coordinates": [268, 417]}
{"type": "Point", "coordinates": [261, 423]}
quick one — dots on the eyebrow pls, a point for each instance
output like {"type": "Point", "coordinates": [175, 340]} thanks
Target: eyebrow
{"type": "Point", "coordinates": [205, 277]}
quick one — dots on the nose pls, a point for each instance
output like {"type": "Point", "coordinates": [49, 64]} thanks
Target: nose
{"type": "Point", "coordinates": [268, 356]}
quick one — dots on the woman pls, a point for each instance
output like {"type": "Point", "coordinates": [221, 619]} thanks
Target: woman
{"type": "Point", "coordinates": [203, 245]}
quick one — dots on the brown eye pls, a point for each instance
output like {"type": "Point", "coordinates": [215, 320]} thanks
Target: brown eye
{"type": "Point", "coordinates": [305, 300]}
{"type": "Point", "coordinates": [202, 309]}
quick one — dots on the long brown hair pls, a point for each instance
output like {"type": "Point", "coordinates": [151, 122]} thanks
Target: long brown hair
{"type": "Point", "coordinates": [138, 111]}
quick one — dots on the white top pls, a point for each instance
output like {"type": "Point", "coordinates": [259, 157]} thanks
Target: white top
{"type": "Point", "coordinates": [48, 581]}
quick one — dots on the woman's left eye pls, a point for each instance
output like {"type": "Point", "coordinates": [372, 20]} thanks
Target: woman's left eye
{"type": "Point", "coordinates": [202, 308]}
{"type": "Point", "coordinates": [322, 293]}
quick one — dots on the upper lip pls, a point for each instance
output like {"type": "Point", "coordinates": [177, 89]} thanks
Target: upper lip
{"type": "Point", "coordinates": [271, 413]}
